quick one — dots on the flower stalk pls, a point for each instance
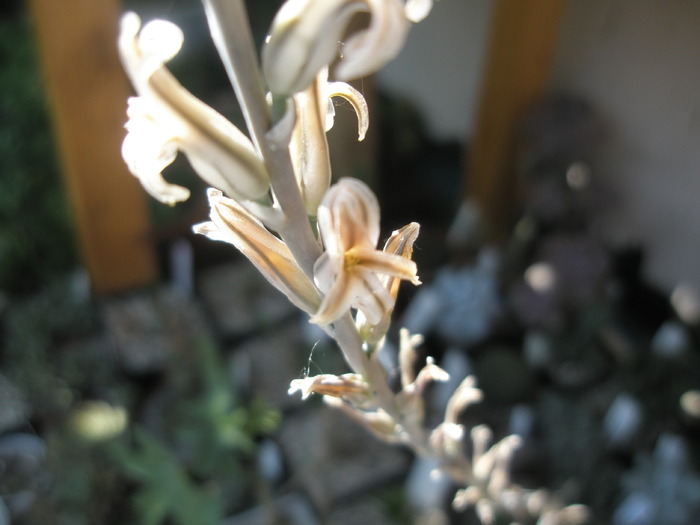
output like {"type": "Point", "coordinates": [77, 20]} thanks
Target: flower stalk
{"type": "Point", "coordinates": [274, 199]}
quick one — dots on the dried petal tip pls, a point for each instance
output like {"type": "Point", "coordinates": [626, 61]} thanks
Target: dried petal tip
{"type": "Point", "coordinates": [330, 385]}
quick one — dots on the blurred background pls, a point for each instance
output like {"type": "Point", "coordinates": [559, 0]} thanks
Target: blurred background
{"type": "Point", "coordinates": [549, 149]}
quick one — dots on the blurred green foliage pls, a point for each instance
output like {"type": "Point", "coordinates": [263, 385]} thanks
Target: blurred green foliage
{"type": "Point", "coordinates": [186, 454]}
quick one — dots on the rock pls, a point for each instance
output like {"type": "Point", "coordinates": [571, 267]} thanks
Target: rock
{"type": "Point", "coordinates": [140, 336]}
{"type": "Point", "coordinates": [363, 512]}
{"type": "Point", "coordinates": [425, 491]}
{"type": "Point", "coordinates": [147, 328]}
{"type": "Point", "coordinates": [14, 408]}
{"type": "Point", "coordinates": [24, 471]}
{"type": "Point", "coordinates": [270, 461]}
{"type": "Point", "coordinates": [461, 305]}
{"type": "Point", "coordinates": [636, 509]}
{"type": "Point", "coordinates": [333, 458]}
{"type": "Point", "coordinates": [671, 340]}
{"type": "Point", "coordinates": [290, 509]}
{"type": "Point", "coordinates": [537, 349]}
{"type": "Point", "coordinates": [264, 366]}
{"type": "Point", "coordinates": [241, 301]}
{"type": "Point", "coordinates": [623, 421]}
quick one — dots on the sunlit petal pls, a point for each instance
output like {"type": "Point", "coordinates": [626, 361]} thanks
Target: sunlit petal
{"type": "Point", "coordinates": [352, 272]}
{"type": "Point", "coordinates": [233, 224]}
{"type": "Point", "coordinates": [417, 10]}
{"type": "Point", "coordinates": [368, 51]}
{"type": "Point", "coordinates": [356, 99]}
{"type": "Point", "coordinates": [308, 146]}
{"type": "Point", "coordinates": [218, 151]}
{"type": "Point", "coordinates": [305, 34]}
{"type": "Point", "coordinates": [338, 299]}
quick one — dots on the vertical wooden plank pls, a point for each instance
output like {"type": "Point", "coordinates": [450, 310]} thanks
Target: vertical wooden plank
{"type": "Point", "coordinates": [522, 40]}
{"type": "Point", "coordinates": [87, 92]}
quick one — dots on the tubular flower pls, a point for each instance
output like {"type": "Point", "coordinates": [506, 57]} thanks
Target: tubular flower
{"type": "Point", "coordinates": [349, 270]}
{"type": "Point", "coordinates": [308, 145]}
{"type": "Point", "coordinates": [165, 118]}
{"type": "Point", "coordinates": [232, 223]}
{"type": "Point", "coordinates": [305, 33]}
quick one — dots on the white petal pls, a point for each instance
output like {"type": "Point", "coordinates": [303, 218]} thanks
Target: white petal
{"type": "Point", "coordinates": [417, 10]}
{"type": "Point", "coordinates": [147, 150]}
{"type": "Point", "coordinates": [218, 151]}
{"type": "Point", "coordinates": [305, 34]}
{"type": "Point", "coordinates": [303, 39]}
{"type": "Point", "coordinates": [348, 216]}
{"type": "Point", "coordinates": [370, 50]}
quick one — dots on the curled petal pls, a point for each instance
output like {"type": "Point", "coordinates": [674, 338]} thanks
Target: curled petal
{"type": "Point", "coordinates": [147, 150]}
{"type": "Point", "coordinates": [356, 99]}
{"type": "Point", "coordinates": [305, 33]}
{"type": "Point", "coordinates": [368, 51]}
{"type": "Point", "coordinates": [218, 151]}
{"type": "Point", "coordinates": [233, 224]}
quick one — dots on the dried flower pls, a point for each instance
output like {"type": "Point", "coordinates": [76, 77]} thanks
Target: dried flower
{"type": "Point", "coordinates": [348, 271]}
{"type": "Point", "coordinates": [305, 33]}
{"type": "Point", "coordinates": [232, 223]}
{"type": "Point", "coordinates": [400, 243]}
{"type": "Point", "coordinates": [165, 118]}
{"type": "Point", "coordinates": [345, 385]}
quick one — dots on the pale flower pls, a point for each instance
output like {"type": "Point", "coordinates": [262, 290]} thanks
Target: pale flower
{"type": "Point", "coordinates": [165, 118]}
{"type": "Point", "coordinates": [305, 34]}
{"type": "Point", "coordinates": [308, 145]}
{"type": "Point", "coordinates": [349, 271]}
{"type": "Point", "coordinates": [232, 223]}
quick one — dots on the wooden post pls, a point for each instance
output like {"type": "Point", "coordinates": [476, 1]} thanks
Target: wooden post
{"type": "Point", "coordinates": [522, 40]}
{"type": "Point", "coordinates": [87, 92]}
